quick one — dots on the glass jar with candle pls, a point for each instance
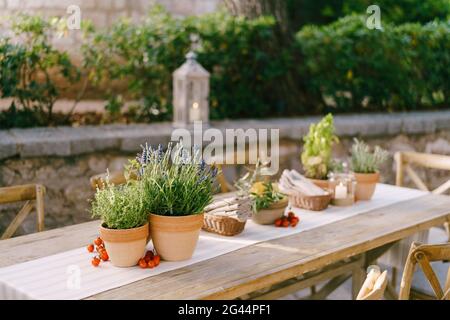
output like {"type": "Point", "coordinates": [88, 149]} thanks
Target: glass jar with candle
{"type": "Point", "coordinates": [342, 187]}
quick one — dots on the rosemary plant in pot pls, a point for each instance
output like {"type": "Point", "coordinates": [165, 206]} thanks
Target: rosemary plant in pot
{"type": "Point", "coordinates": [178, 185]}
{"type": "Point", "coordinates": [316, 155]}
{"type": "Point", "coordinates": [124, 228]}
{"type": "Point", "coordinates": [365, 165]}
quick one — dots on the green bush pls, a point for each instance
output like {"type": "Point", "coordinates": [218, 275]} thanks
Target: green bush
{"type": "Point", "coordinates": [340, 67]}
{"type": "Point", "coordinates": [322, 12]}
{"type": "Point", "coordinates": [245, 64]}
{"type": "Point", "coordinates": [27, 72]}
{"type": "Point", "coordinates": [402, 11]}
{"type": "Point", "coordinates": [351, 68]}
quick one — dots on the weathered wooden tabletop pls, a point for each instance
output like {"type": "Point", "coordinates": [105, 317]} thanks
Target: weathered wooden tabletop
{"type": "Point", "coordinates": [254, 267]}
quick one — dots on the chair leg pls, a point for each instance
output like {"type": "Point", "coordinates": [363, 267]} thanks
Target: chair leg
{"type": "Point", "coordinates": [40, 193]}
{"type": "Point", "coordinates": [312, 289]}
{"type": "Point", "coordinates": [447, 229]}
{"type": "Point", "coordinates": [394, 277]}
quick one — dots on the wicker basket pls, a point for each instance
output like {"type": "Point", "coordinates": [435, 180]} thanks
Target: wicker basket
{"type": "Point", "coordinates": [223, 225]}
{"type": "Point", "coordinates": [314, 203]}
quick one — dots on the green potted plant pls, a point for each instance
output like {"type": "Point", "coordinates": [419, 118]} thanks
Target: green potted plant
{"type": "Point", "coordinates": [365, 165]}
{"type": "Point", "coordinates": [268, 204]}
{"type": "Point", "coordinates": [124, 227]}
{"type": "Point", "coordinates": [316, 155]}
{"type": "Point", "coordinates": [178, 185]}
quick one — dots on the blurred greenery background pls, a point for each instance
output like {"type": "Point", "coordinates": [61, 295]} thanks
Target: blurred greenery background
{"type": "Point", "coordinates": [267, 59]}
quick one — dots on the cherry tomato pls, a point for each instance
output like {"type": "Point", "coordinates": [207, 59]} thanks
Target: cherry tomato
{"type": "Point", "coordinates": [142, 263]}
{"type": "Point", "coordinates": [98, 241]}
{"type": "Point", "coordinates": [156, 259]}
{"type": "Point", "coordinates": [90, 248]}
{"type": "Point", "coordinates": [95, 261]}
{"type": "Point", "coordinates": [291, 214]}
{"type": "Point", "coordinates": [293, 224]}
{"type": "Point", "coordinates": [104, 255]}
{"type": "Point", "coordinates": [278, 222]}
{"type": "Point", "coordinates": [285, 223]}
{"type": "Point", "coordinates": [151, 264]}
{"type": "Point", "coordinates": [149, 254]}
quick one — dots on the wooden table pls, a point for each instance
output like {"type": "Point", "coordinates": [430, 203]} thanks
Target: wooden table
{"type": "Point", "coordinates": [254, 267]}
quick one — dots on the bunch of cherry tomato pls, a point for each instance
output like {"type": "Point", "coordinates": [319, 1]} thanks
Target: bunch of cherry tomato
{"type": "Point", "coordinates": [150, 260]}
{"type": "Point", "coordinates": [290, 220]}
{"type": "Point", "coordinates": [101, 255]}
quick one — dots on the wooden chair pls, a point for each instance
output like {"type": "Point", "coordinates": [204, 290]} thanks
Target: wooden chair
{"type": "Point", "coordinates": [377, 287]}
{"type": "Point", "coordinates": [404, 163]}
{"type": "Point", "coordinates": [33, 194]}
{"type": "Point", "coordinates": [423, 254]}
{"type": "Point", "coordinates": [404, 160]}
{"type": "Point", "coordinates": [115, 177]}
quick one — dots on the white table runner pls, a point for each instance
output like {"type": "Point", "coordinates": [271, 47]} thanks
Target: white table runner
{"type": "Point", "coordinates": [70, 275]}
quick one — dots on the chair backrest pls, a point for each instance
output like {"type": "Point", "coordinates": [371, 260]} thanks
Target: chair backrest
{"type": "Point", "coordinates": [423, 254]}
{"type": "Point", "coordinates": [373, 289]}
{"type": "Point", "coordinates": [404, 160]}
{"type": "Point", "coordinates": [33, 194]}
{"type": "Point", "coordinates": [115, 177]}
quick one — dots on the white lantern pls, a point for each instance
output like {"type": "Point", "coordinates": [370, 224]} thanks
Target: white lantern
{"type": "Point", "coordinates": [190, 93]}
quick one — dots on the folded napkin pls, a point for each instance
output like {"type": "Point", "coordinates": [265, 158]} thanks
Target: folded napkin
{"type": "Point", "coordinates": [234, 207]}
{"type": "Point", "coordinates": [292, 182]}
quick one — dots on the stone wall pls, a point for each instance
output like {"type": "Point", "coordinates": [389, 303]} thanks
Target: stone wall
{"type": "Point", "coordinates": [63, 159]}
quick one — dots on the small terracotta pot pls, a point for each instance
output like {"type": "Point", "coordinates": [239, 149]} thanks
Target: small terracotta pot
{"type": "Point", "coordinates": [269, 215]}
{"type": "Point", "coordinates": [175, 237]}
{"type": "Point", "coordinates": [365, 185]}
{"type": "Point", "coordinates": [320, 183]}
{"type": "Point", "coordinates": [125, 246]}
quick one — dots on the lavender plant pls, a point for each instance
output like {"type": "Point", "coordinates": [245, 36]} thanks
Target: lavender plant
{"type": "Point", "coordinates": [177, 181]}
{"type": "Point", "coordinates": [365, 161]}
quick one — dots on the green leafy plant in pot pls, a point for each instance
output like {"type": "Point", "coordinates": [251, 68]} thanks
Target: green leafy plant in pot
{"type": "Point", "coordinates": [178, 185]}
{"type": "Point", "coordinates": [268, 205]}
{"type": "Point", "coordinates": [316, 156]}
{"type": "Point", "coordinates": [124, 228]}
{"type": "Point", "coordinates": [365, 165]}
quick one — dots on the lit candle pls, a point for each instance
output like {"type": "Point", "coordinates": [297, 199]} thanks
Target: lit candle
{"type": "Point", "coordinates": [340, 192]}
{"type": "Point", "coordinates": [194, 114]}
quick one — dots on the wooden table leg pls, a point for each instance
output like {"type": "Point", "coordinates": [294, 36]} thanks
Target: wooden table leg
{"type": "Point", "coordinates": [327, 289]}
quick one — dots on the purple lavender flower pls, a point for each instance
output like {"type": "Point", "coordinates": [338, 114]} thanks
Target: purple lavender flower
{"type": "Point", "coordinates": [160, 153]}
{"type": "Point", "coordinates": [214, 172]}
{"type": "Point", "coordinates": [202, 165]}
{"type": "Point", "coordinates": [144, 157]}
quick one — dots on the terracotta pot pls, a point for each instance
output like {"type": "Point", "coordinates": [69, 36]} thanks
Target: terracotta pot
{"type": "Point", "coordinates": [320, 183]}
{"type": "Point", "coordinates": [125, 246]}
{"type": "Point", "coordinates": [269, 215]}
{"type": "Point", "coordinates": [365, 185]}
{"type": "Point", "coordinates": [175, 237]}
